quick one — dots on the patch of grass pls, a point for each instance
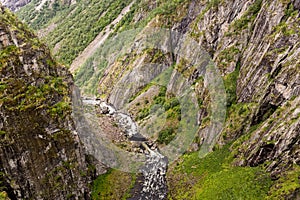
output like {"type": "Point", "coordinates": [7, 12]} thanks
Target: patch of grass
{"type": "Point", "coordinates": [285, 29]}
{"type": "Point", "coordinates": [145, 89]}
{"type": "Point", "coordinates": [8, 51]}
{"type": "Point", "coordinates": [230, 82]}
{"type": "Point", "coordinates": [226, 56]}
{"type": "Point", "coordinates": [143, 113]}
{"type": "Point", "coordinates": [165, 136]}
{"type": "Point", "coordinates": [60, 109]}
{"type": "Point", "coordinates": [248, 17]}
{"type": "Point", "coordinates": [287, 184]}
{"type": "Point", "coordinates": [236, 120]}
{"type": "Point", "coordinates": [213, 177]}
{"type": "Point", "coordinates": [235, 183]}
{"type": "Point", "coordinates": [114, 185]}
{"type": "Point", "coordinates": [170, 108]}
{"type": "Point", "coordinates": [3, 196]}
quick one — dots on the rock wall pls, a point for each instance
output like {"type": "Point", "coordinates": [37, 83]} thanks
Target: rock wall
{"type": "Point", "coordinates": [260, 40]}
{"type": "Point", "coordinates": [40, 152]}
{"type": "Point", "coordinates": [255, 45]}
{"type": "Point", "coordinates": [14, 5]}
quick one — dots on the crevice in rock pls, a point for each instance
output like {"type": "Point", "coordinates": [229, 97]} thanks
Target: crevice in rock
{"type": "Point", "coordinates": [265, 111]}
{"type": "Point", "coordinates": [262, 155]}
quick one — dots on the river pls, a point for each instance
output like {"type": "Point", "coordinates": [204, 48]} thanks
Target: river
{"type": "Point", "coordinates": [154, 170]}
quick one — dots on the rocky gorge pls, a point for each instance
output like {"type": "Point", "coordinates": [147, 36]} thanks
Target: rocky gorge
{"type": "Point", "coordinates": [254, 46]}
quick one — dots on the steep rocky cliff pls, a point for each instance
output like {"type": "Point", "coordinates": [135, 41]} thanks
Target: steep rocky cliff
{"type": "Point", "coordinates": [255, 45]}
{"type": "Point", "coordinates": [40, 152]}
{"type": "Point", "coordinates": [260, 40]}
{"type": "Point", "coordinates": [15, 4]}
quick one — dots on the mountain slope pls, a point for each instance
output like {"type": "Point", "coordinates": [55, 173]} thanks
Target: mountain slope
{"type": "Point", "coordinates": [254, 44]}
{"type": "Point", "coordinates": [41, 155]}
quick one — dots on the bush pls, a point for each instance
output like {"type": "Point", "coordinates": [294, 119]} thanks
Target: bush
{"type": "Point", "coordinates": [165, 136]}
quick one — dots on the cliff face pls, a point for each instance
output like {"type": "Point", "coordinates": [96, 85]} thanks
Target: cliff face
{"type": "Point", "coordinates": [41, 155]}
{"type": "Point", "coordinates": [255, 45]}
{"type": "Point", "coordinates": [15, 4]}
{"type": "Point", "coordinates": [259, 40]}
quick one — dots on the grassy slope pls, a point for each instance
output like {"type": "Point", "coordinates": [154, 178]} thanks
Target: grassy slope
{"type": "Point", "coordinates": [77, 25]}
{"type": "Point", "coordinates": [113, 185]}
{"type": "Point", "coordinates": [213, 177]}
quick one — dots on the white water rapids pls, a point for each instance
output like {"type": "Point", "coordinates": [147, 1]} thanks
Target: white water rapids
{"type": "Point", "coordinates": [154, 169]}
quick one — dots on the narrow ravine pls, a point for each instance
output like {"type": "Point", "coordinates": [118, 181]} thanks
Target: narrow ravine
{"type": "Point", "coordinates": [154, 184]}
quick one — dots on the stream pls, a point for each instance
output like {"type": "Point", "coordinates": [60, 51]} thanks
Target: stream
{"type": "Point", "coordinates": [154, 185]}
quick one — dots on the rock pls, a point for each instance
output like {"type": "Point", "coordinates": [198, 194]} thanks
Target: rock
{"type": "Point", "coordinates": [195, 147]}
{"type": "Point", "coordinates": [40, 152]}
{"type": "Point", "coordinates": [14, 5]}
{"type": "Point", "coordinates": [104, 110]}
{"type": "Point", "coordinates": [259, 40]}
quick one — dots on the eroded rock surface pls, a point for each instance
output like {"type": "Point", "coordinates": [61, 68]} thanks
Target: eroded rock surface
{"type": "Point", "coordinates": [40, 152]}
{"type": "Point", "coordinates": [15, 4]}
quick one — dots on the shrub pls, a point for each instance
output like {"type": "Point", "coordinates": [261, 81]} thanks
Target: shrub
{"type": "Point", "coordinates": [165, 136]}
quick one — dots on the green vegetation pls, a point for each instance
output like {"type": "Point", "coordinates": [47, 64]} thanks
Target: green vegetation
{"type": "Point", "coordinates": [3, 196]}
{"type": "Point", "coordinates": [6, 53]}
{"type": "Point", "coordinates": [77, 25]}
{"type": "Point", "coordinates": [227, 56]}
{"type": "Point", "coordinates": [143, 113]}
{"type": "Point", "coordinates": [82, 27]}
{"type": "Point", "coordinates": [288, 183]}
{"type": "Point", "coordinates": [20, 97]}
{"type": "Point", "coordinates": [285, 29]}
{"type": "Point", "coordinates": [235, 183]}
{"type": "Point", "coordinates": [236, 120]}
{"type": "Point", "coordinates": [172, 110]}
{"type": "Point", "coordinates": [113, 185]}
{"type": "Point", "coordinates": [15, 94]}
{"type": "Point", "coordinates": [166, 135]}
{"type": "Point", "coordinates": [40, 18]}
{"type": "Point", "coordinates": [164, 8]}
{"type": "Point", "coordinates": [212, 4]}
{"type": "Point", "coordinates": [248, 17]}
{"type": "Point", "coordinates": [88, 76]}
{"type": "Point", "coordinates": [213, 177]}
{"type": "Point", "coordinates": [140, 92]}
{"type": "Point", "coordinates": [230, 82]}
{"type": "Point", "coordinates": [60, 109]}
{"type": "Point", "coordinates": [126, 21]}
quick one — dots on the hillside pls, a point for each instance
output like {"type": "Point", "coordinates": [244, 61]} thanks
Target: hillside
{"type": "Point", "coordinates": [242, 146]}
